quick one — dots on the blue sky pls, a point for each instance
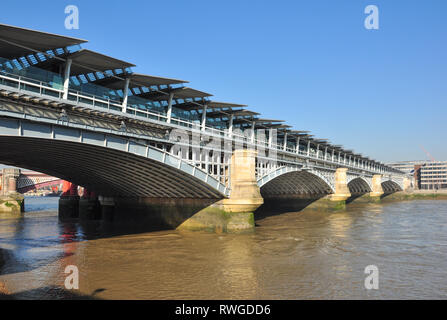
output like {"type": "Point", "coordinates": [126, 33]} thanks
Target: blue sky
{"type": "Point", "coordinates": [380, 92]}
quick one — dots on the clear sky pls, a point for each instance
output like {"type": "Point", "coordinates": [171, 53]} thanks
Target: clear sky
{"type": "Point", "coordinates": [380, 92]}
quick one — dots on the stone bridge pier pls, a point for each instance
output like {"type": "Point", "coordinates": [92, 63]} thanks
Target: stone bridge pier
{"type": "Point", "coordinates": [69, 201]}
{"type": "Point", "coordinates": [236, 213]}
{"type": "Point", "coordinates": [10, 200]}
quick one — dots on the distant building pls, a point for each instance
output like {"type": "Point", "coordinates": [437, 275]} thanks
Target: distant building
{"type": "Point", "coordinates": [428, 175]}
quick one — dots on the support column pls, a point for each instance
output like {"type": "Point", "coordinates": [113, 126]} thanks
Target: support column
{"type": "Point", "coordinates": [230, 126]}
{"type": "Point", "coordinates": [234, 214]}
{"type": "Point", "coordinates": [204, 117]}
{"type": "Point", "coordinates": [245, 194]}
{"type": "Point", "coordinates": [11, 201]}
{"type": "Point", "coordinates": [377, 189]}
{"type": "Point", "coordinates": [67, 78]}
{"type": "Point", "coordinates": [253, 126]}
{"type": "Point", "coordinates": [69, 201]}
{"type": "Point", "coordinates": [341, 185]}
{"type": "Point", "coordinates": [169, 111]}
{"type": "Point", "coordinates": [126, 94]}
{"type": "Point", "coordinates": [89, 208]}
{"type": "Point", "coordinates": [270, 142]}
{"type": "Point", "coordinates": [107, 208]}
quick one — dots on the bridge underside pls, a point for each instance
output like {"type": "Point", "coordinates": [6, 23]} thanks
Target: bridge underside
{"type": "Point", "coordinates": [358, 187]}
{"type": "Point", "coordinates": [290, 192]}
{"type": "Point", "coordinates": [390, 187]}
{"type": "Point", "coordinates": [296, 184]}
{"type": "Point", "coordinates": [106, 171]}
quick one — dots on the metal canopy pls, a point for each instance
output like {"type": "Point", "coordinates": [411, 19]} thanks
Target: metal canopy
{"type": "Point", "coordinates": [18, 42]}
{"type": "Point", "coordinates": [276, 126]}
{"type": "Point", "coordinates": [144, 80]}
{"type": "Point", "coordinates": [86, 61]}
{"type": "Point", "coordinates": [268, 120]}
{"type": "Point", "coordinates": [244, 113]}
{"type": "Point", "coordinates": [189, 105]}
{"type": "Point", "coordinates": [222, 105]}
{"type": "Point", "coordinates": [243, 120]}
{"type": "Point", "coordinates": [179, 93]}
{"type": "Point", "coordinates": [219, 113]}
{"type": "Point", "coordinates": [136, 80]}
{"type": "Point", "coordinates": [238, 114]}
{"type": "Point", "coordinates": [299, 132]}
{"type": "Point", "coordinates": [219, 108]}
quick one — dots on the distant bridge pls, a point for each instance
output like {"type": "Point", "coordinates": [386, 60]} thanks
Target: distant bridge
{"type": "Point", "coordinates": [31, 180]}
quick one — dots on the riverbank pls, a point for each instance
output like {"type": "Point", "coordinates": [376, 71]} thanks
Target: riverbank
{"type": "Point", "coordinates": [416, 195]}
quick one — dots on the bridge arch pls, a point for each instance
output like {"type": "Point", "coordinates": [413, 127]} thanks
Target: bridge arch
{"type": "Point", "coordinates": [390, 186]}
{"type": "Point", "coordinates": [108, 164]}
{"type": "Point", "coordinates": [286, 182]}
{"type": "Point", "coordinates": [359, 186]}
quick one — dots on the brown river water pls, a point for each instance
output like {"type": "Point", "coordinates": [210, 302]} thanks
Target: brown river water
{"type": "Point", "coordinates": [303, 255]}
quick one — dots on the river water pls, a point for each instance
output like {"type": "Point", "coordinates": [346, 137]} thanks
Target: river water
{"type": "Point", "coordinates": [304, 255]}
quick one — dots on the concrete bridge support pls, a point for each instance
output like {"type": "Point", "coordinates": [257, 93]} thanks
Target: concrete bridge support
{"type": "Point", "coordinates": [107, 208]}
{"type": "Point", "coordinates": [341, 186]}
{"type": "Point", "coordinates": [377, 190]}
{"type": "Point", "coordinates": [89, 207]}
{"type": "Point", "coordinates": [69, 201]}
{"type": "Point", "coordinates": [11, 201]}
{"type": "Point", "coordinates": [245, 194]}
{"type": "Point", "coordinates": [338, 199]}
{"type": "Point", "coordinates": [235, 214]}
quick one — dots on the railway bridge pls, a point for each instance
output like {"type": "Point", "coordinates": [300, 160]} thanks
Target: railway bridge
{"type": "Point", "coordinates": [151, 147]}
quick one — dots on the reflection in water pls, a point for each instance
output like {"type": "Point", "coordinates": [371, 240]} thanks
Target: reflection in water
{"type": "Point", "coordinates": [305, 255]}
{"type": "Point", "coordinates": [237, 269]}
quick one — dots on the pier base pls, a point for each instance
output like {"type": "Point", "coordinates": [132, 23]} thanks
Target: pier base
{"type": "Point", "coordinates": [12, 204]}
{"type": "Point", "coordinates": [328, 203]}
{"type": "Point", "coordinates": [108, 208]}
{"type": "Point", "coordinates": [89, 209]}
{"type": "Point", "coordinates": [68, 207]}
{"type": "Point", "coordinates": [365, 198]}
{"type": "Point", "coordinates": [153, 214]}
{"type": "Point", "coordinates": [213, 219]}
{"type": "Point", "coordinates": [342, 192]}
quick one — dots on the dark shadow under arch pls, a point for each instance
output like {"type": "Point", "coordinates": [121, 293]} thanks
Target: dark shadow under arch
{"type": "Point", "coordinates": [292, 191]}
{"type": "Point", "coordinates": [106, 171]}
{"type": "Point", "coordinates": [357, 187]}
